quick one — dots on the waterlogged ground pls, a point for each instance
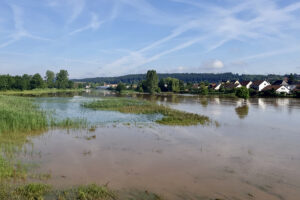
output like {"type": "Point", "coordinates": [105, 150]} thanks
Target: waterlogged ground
{"type": "Point", "coordinates": [253, 154]}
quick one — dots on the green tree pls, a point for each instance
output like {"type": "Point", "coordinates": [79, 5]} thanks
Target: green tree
{"type": "Point", "coordinates": [121, 86]}
{"type": "Point", "coordinates": [26, 81]}
{"type": "Point", "coordinates": [62, 80]}
{"type": "Point", "coordinates": [169, 84]}
{"type": "Point", "coordinates": [151, 81]}
{"type": "Point", "coordinates": [50, 79]}
{"type": "Point", "coordinates": [242, 92]}
{"type": "Point", "coordinates": [203, 89]}
{"type": "Point", "coordinates": [36, 81]}
{"type": "Point", "coordinates": [291, 79]}
{"type": "Point", "coordinates": [4, 82]}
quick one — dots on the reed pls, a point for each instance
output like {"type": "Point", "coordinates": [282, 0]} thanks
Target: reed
{"type": "Point", "coordinates": [171, 116]}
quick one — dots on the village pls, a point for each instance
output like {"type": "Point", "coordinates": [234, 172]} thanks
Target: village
{"type": "Point", "coordinates": [279, 86]}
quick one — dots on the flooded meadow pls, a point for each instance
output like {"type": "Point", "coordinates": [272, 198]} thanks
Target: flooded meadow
{"type": "Point", "coordinates": [252, 152]}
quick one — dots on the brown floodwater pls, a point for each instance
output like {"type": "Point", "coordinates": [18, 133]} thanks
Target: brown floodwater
{"type": "Point", "coordinates": [253, 154]}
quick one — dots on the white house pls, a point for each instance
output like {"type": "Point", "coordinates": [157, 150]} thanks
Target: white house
{"type": "Point", "coordinates": [278, 89]}
{"type": "Point", "coordinates": [259, 85]}
{"type": "Point", "coordinates": [246, 84]}
{"type": "Point", "coordinates": [218, 86]}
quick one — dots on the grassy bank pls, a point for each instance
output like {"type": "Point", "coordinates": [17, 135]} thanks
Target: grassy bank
{"type": "Point", "coordinates": [38, 91]}
{"type": "Point", "coordinates": [86, 192]}
{"type": "Point", "coordinates": [170, 116]}
{"type": "Point", "coordinates": [21, 118]}
{"type": "Point", "coordinates": [20, 114]}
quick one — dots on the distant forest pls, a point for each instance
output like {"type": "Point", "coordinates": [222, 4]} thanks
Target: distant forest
{"type": "Point", "coordinates": [187, 77]}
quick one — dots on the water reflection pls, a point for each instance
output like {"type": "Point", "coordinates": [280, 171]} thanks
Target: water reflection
{"type": "Point", "coordinates": [242, 111]}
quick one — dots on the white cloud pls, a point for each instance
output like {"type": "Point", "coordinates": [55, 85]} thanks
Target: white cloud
{"type": "Point", "coordinates": [213, 64]}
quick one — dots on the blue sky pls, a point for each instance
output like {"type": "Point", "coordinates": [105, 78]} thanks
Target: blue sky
{"type": "Point", "coordinates": [115, 37]}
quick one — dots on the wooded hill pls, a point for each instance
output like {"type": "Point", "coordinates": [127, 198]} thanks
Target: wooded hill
{"type": "Point", "coordinates": [187, 77]}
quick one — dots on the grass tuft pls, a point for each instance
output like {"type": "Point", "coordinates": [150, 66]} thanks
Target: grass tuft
{"type": "Point", "coordinates": [32, 191]}
{"type": "Point", "coordinates": [171, 116]}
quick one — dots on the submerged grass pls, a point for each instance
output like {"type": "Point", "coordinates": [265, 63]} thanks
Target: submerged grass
{"type": "Point", "coordinates": [20, 114]}
{"type": "Point", "coordinates": [39, 191]}
{"type": "Point", "coordinates": [21, 118]}
{"type": "Point", "coordinates": [38, 91]}
{"type": "Point", "coordinates": [171, 116]}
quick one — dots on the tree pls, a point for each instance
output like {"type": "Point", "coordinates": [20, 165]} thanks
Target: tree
{"type": "Point", "coordinates": [62, 79]}
{"type": "Point", "coordinates": [4, 82]}
{"type": "Point", "coordinates": [242, 92]}
{"type": "Point", "coordinates": [169, 84]}
{"type": "Point", "coordinates": [121, 86]}
{"type": "Point", "coordinates": [36, 81]}
{"type": "Point", "coordinates": [50, 79]}
{"type": "Point", "coordinates": [151, 81]}
{"type": "Point", "coordinates": [203, 89]}
{"type": "Point", "coordinates": [26, 81]}
{"type": "Point", "coordinates": [291, 79]}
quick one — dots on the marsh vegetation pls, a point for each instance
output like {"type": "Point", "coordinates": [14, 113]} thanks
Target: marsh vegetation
{"type": "Point", "coordinates": [170, 116]}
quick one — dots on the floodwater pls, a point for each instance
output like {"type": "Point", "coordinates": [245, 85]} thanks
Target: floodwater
{"type": "Point", "coordinates": [253, 154]}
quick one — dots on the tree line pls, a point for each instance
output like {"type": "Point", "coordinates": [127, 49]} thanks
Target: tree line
{"type": "Point", "coordinates": [30, 82]}
{"type": "Point", "coordinates": [187, 77]}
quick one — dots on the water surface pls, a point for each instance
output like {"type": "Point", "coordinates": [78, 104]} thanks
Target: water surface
{"type": "Point", "coordinates": [254, 154]}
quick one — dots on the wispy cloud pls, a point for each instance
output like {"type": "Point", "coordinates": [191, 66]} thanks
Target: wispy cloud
{"type": "Point", "coordinates": [94, 24]}
{"type": "Point", "coordinates": [77, 7]}
{"type": "Point", "coordinates": [19, 31]}
{"type": "Point", "coordinates": [220, 25]}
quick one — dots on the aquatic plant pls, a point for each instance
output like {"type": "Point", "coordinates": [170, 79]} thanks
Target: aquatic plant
{"type": "Point", "coordinates": [20, 114]}
{"type": "Point", "coordinates": [171, 116]}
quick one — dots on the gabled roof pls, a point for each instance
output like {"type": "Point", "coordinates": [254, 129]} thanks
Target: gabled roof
{"type": "Point", "coordinates": [270, 87]}
{"type": "Point", "coordinates": [280, 82]}
{"type": "Point", "coordinates": [257, 83]}
{"type": "Point", "coordinates": [230, 85]}
{"type": "Point", "coordinates": [245, 83]}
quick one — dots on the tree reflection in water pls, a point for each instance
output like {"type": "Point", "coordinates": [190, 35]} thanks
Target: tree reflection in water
{"type": "Point", "coordinates": [242, 111]}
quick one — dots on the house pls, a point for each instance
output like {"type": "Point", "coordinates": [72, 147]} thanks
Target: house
{"type": "Point", "coordinates": [246, 84]}
{"type": "Point", "coordinates": [215, 86]}
{"type": "Point", "coordinates": [230, 86]}
{"type": "Point", "coordinates": [296, 88]}
{"type": "Point", "coordinates": [278, 89]}
{"type": "Point", "coordinates": [280, 82]}
{"type": "Point", "coordinates": [259, 85]}
{"type": "Point", "coordinates": [233, 81]}
{"type": "Point", "coordinates": [218, 86]}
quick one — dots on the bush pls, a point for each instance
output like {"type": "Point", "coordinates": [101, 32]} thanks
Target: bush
{"type": "Point", "coordinates": [242, 92]}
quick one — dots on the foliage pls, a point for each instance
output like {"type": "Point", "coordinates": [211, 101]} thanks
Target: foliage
{"type": "Point", "coordinates": [203, 89]}
{"type": "Point", "coordinates": [242, 92]}
{"type": "Point", "coordinates": [151, 81]}
{"type": "Point", "coordinates": [188, 77]}
{"type": "Point", "coordinates": [37, 82]}
{"type": "Point", "coordinates": [50, 79]}
{"type": "Point", "coordinates": [169, 84]}
{"type": "Point", "coordinates": [27, 82]}
{"type": "Point", "coordinates": [121, 86]}
{"type": "Point", "coordinates": [171, 116]}
{"type": "Point", "coordinates": [62, 80]}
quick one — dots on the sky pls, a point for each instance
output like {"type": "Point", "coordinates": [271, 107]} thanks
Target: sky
{"type": "Point", "coordinates": [92, 38]}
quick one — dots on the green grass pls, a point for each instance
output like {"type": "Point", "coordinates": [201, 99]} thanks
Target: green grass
{"type": "Point", "coordinates": [87, 192]}
{"type": "Point", "coordinates": [20, 114]}
{"type": "Point", "coordinates": [170, 116]}
{"type": "Point", "coordinates": [21, 118]}
{"type": "Point", "coordinates": [39, 191]}
{"type": "Point", "coordinates": [37, 91]}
